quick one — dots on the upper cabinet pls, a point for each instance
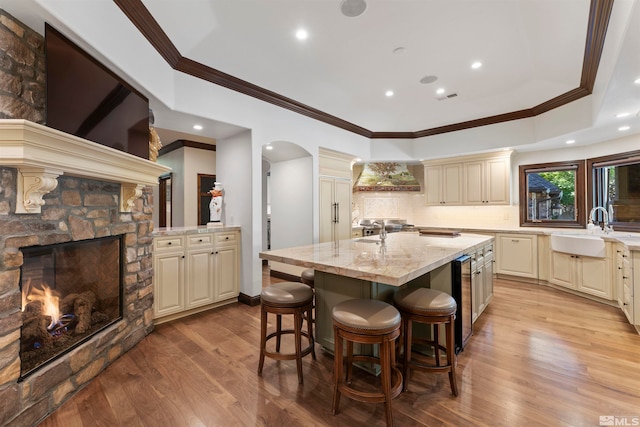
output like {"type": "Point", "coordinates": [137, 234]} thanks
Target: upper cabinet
{"type": "Point", "coordinates": [470, 180]}
{"type": "Point", "coordinates": [444, 184]}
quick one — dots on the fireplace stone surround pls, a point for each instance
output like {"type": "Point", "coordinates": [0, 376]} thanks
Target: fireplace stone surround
{"type": "Point", "coordinates": [77, 209]}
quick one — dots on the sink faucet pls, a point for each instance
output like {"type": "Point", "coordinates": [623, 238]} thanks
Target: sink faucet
{"type": "Point", "coordinates": [606, 228]}
{"type": "Point", "coordinates": [383, 231]}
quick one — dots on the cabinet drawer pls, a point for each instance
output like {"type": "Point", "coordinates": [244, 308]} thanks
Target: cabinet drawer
{"type": "Point", "coordinates": [199, 240]}
{"type": "Point", "coordinates": [168, 242]}
{"type": "Point", "coordinates": [226, 237]}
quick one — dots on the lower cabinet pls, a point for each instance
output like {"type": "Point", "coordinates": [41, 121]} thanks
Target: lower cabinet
{"type": "Point", "coordinates": [195, 272]}
{"type": "Point", "coordinates": [582, 273]}
{"type": "Point", "coordinates": [481, 280]}
{"type": "Point", "coordinates": [517, 255]}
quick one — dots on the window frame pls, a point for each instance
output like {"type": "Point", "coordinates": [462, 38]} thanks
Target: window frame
{"type": "Point", "coordinates": [619, 159]}
{"type": "Point", "coordinates": [581, 217]}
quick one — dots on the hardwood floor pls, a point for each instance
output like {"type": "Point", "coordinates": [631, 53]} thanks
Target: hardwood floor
{"type": "Point", "coordinates": [538, 357]}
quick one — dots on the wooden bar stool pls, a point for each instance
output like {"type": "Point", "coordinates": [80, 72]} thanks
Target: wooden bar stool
{"type": "Point", "coordinates": [431, 307]}
{"type": "Point", "coordinates": [366, 321]}
{"type": "Point", "coordinates": [287, 298]}
{"type": "Point", "coordinates": [308, 278]}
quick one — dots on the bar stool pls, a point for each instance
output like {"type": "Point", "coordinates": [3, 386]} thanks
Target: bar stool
{"type": "Point", "coordinates": [287, 298]}
{"type": "Point", "coordinates": [366, 321]}
{"type": "Point", "coordinates": [431, 307]}
{"type": "Point", "coordinates": [308, 278]}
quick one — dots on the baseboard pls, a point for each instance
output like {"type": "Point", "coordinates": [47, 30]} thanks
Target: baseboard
{"type": "Point", "coordinates": [249, 300]}
{"type": "Point", "coordinates": [284, 276]}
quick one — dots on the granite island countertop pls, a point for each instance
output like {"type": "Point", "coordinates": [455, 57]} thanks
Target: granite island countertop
{"type": "Point", "coordinates": [404, 256]}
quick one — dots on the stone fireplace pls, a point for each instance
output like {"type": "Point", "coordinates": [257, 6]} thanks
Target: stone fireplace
{"type": "Point", "coordinates": [70, 291]}
{"type": "Point", "coordinates": [56, 189]}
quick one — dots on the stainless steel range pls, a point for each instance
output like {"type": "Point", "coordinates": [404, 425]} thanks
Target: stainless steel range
{"type": "Point", "coordinates": [372, 227]}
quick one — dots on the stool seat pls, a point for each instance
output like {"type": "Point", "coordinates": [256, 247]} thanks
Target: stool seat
{"type": "Point", "coordinates": [366, 314]}
{"type": "Point", "coordinates": [308, 276]}
{"type": "Point", "coordinates": [434, 308]}
{"type": "Point", "coordinates": [286, 293]}
{"type": "Point", "coordinates": [283, 298]}
{"type": "Point", "coordinates": [372, 322]}
{"type": "Point", "coordinates": [425, 301]}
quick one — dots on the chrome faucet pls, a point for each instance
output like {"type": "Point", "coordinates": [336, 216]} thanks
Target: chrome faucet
{"type": "Point", "coordinates": [383, 231]}
{"type": "Point", "coordinates": [606, 228]}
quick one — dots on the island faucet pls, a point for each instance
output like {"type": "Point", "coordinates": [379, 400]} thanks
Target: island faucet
{"type": "Point", "coordinates": [606, 228]}
{"type": "Point", "coordinates": [383, 231]}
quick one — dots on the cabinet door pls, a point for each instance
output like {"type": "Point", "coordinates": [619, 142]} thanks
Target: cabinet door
{"type": "Point", "coordinates": [342, 196]}
{"type": "Point", "coordinates": [199, 289]}
{"type": "Point", "coordinates": [487, 279]}
{"type": "Point", "coordinates": [433, 185]}
{"type": "Point", "coordinates": [593, 277]}
{"type": "Point", "coordinates": [516, 255]}
{"type": "Point", "coordinates": [561, 270]}
{"type": "Point", "coordinates": [168, 283]}
{"type": "Point", "coordinates": [473, 183]}
{"type": "Point", "coordinates": [452, 184]}
{"type": "Point", "coordinates": [326, 210]}
{"type": "Point", "coordinates": [497, 182]}
{"type": "Point", "coordinates": [227, 282]}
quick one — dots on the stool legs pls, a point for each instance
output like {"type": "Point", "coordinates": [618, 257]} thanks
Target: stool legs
{"type": "Point", "coordinates": [407, 364]}
{"type": "Point", "coordinates": [298, 319]}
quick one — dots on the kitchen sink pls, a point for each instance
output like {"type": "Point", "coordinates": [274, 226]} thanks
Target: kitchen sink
{"type": "Point", "coordinates": [367, 240]}
{"type": "Point", "coordinates": [578, 244]}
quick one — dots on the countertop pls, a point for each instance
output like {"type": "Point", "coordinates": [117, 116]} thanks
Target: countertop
{"type": "Point", "coordinates": [173, 231]}
{"type": "Point", "coordinates": [404, 256]}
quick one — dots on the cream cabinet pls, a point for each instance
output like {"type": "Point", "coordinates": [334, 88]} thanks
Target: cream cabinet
{"type": "Point", "coordinates": [624, 281]}
{"type": "Point", "coordinates": [168, 280]}
{"type": "Point", "coordinates": [194, 272]}
{"type": "Point", "coordinates": [487, 182]}
{"type": "Point", "coordinates": [335, 209]}
{"type": "Point", "coordinates": [582, 273]}
{"type": "Point", "coordinates": [517, 255]}
{"type": "Point", "coordinates": [443, 184]}
{"type": "Point", "coordinates": [481, 280]}
{"type": "Point", "coordinates": [469, 180]}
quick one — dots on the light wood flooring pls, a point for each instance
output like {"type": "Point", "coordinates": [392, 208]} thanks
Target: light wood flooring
{"type": "Point", "coordinates": [538, 357]}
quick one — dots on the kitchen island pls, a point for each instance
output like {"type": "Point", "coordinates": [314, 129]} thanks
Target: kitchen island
{"type": "Point", "coordinates": [366, 268]}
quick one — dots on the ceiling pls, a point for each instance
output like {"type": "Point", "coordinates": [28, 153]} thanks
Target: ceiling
{"type": "Point", "coordinates": [535, 55]}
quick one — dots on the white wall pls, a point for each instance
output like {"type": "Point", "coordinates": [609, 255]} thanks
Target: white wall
{"type": "Point", "coordinates": [238, 168]}
{"type": "Point", "coordinates": [175, 160]}
{"type": "Point", "coordinates": [186, 163]}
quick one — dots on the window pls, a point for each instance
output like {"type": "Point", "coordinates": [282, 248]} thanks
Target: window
{"type": "Point", "coordinates": [614, 184]}
{"type": "Point", "coordinates": [552, 194]}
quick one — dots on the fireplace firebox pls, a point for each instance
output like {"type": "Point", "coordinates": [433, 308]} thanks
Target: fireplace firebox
{"type": "Point", "coordinates": [70, 291]}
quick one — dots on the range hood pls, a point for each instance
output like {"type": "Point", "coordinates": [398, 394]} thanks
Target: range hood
{"type": "Point", "coordinates": [386, 176]}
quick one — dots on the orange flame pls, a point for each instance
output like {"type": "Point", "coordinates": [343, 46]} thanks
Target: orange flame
{"type": "Point", "coordinates": [48, 298]}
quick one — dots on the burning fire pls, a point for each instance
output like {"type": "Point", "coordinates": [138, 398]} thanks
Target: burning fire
{"type": "Point", "coordinates": [48, 298]}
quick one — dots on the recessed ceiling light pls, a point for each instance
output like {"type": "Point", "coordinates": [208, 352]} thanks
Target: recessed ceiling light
{"type": "Point", "coordinates": [269, 147]}
{"type": "Point", "coordinates": [637, 81]}
{"type": "Point", "coordinates": [197, 127]}
{"type": "Point", "coordinates": [302, 34]}
{"type": "Point", "coordinates": [620, 115]}
{"type": "Point", "coordinates": [570, 141]}
{"type": "Point", "coordinates": [389, 93]}
{"type": "Point", "coordinates": [623, 128]}
{"type": "Point", "coordinates": [440, 91]}
{"type": "Point", "coordinates": [476, 65]}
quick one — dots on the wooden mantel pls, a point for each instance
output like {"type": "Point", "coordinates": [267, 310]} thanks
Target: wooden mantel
{"type": "Point", "coordinates": [41, 154]}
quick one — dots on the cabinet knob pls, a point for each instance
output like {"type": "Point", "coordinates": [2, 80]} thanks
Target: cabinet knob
{"type": "Point", "coordinates": [226, 238]}
{"type": "Point", "coordinates": [200, 240]}
{"type": "Point", "coordinates": [169, 243]}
